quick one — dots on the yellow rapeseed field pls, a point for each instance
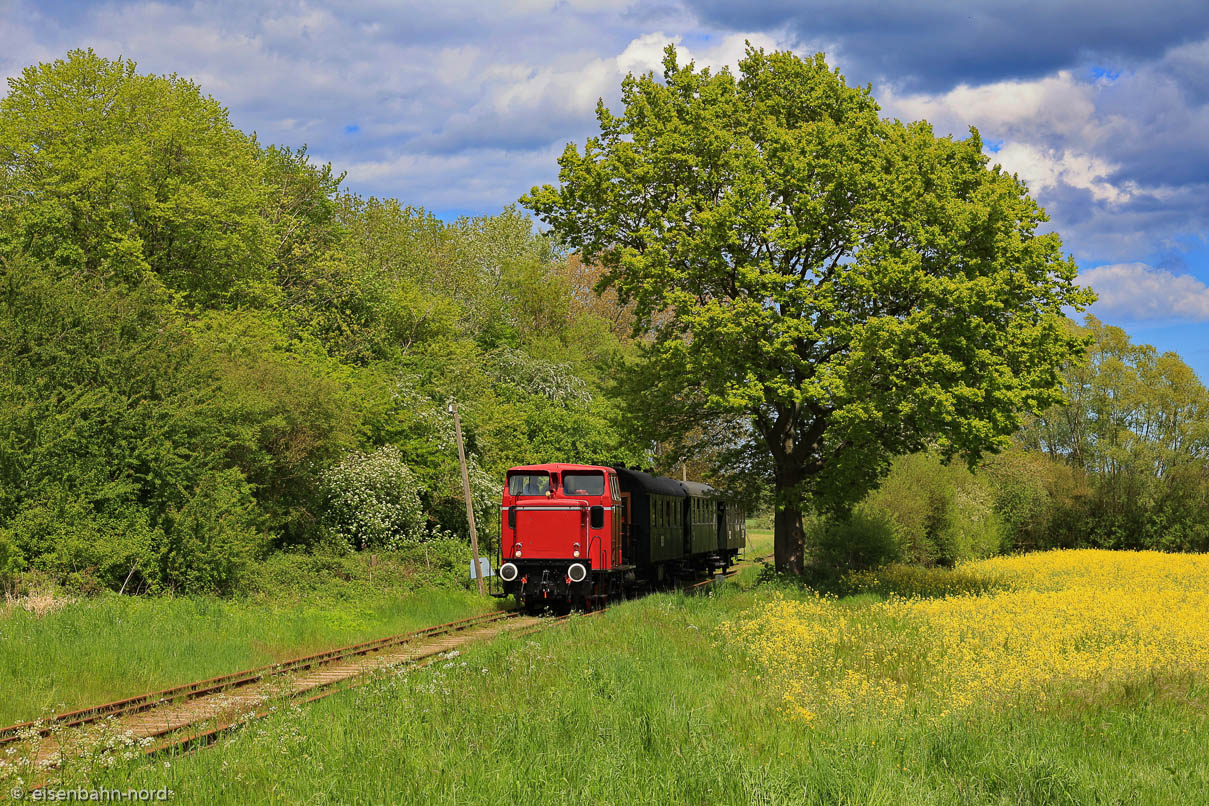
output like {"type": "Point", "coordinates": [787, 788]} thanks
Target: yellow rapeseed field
{"type": "Point", "coordinates": [1019, 631]}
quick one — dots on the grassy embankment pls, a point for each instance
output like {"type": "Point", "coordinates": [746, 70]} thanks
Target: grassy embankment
{"type": "Point", "coordinates": [62, 652]}
{"type": "Point", "coordinates": [775, 695]}
{"type": "Point", "coordinates": [58, 652]}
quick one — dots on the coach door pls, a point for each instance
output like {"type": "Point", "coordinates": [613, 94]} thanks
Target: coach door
{"type": "Point", "coordinates": [627, 552]}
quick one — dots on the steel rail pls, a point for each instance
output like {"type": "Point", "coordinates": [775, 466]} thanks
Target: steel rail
{"type": "Point", "coordinates": [204, 738]}
{"type": "Point", "coordinates": [201, 688]}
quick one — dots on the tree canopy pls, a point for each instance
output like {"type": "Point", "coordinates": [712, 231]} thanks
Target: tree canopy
{"type": "Point", "coordinates": [208, 350]}
{"type": "Point", "coordinates": [825, 287]}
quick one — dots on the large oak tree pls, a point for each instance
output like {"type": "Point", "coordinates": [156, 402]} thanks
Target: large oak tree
{"type": "Point", "coordinates": [845, 288]}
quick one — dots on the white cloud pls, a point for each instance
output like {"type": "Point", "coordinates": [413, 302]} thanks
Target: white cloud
{"type": "Point", "coordinates": [1054, 105]}
{"type": "Point", "coordinates": [408, 95]}
{"type": "Point", "coordinates": [482, 179]}
{"type": "Point", "coordinates": [1119, 163]}
{"type": "Point", "coordinates": [1138, 292]}
{"type": "Point", "coordinates": [1044, 169]}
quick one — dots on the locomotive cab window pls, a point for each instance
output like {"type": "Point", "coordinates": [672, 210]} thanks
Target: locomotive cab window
{"type": "Point", "coordinates": [583, 483]}
{"type": "Point", "coordinates": [528, 484]}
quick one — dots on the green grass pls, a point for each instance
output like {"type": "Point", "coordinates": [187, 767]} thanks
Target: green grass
{"type": "Point", "coordinates": [759, 542]}
{"type": "Point", "coordinates": [103, 648]}
{"type": "Point", "coordinates": [644, 705]}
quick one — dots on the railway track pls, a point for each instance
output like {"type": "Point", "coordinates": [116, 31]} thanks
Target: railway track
{"type": "Point", "coordinates": [195, 714]}
{"type": "Point", "coordinates": [706, 584]}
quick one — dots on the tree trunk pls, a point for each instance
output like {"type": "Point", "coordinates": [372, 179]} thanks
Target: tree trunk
{"type": "Point", "coordinates": [789, 539]}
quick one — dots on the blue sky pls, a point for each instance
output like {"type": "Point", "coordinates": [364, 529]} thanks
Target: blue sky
{"type": "Point", "coordinates": [459, 107]}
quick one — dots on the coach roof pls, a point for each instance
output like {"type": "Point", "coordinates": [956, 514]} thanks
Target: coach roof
{"type": "Point", "coordinates": [656, 485]}
{"type": "Point", "coordinates": [698, 490]}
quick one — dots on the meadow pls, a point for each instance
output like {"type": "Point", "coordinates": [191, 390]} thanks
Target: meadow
{"type": "Point", "coordinates": [1064, 677]}
{"type": "Point", "coordinates": [61, 652]}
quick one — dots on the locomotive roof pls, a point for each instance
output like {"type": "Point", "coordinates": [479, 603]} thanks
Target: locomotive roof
{"type": "Point", "coordinates": [651, 484]}
{"type": "Point", "coordinates": [556, 467]}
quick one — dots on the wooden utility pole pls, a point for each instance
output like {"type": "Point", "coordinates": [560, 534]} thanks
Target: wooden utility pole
{"type": "Point", "coordinates": [475, 570]}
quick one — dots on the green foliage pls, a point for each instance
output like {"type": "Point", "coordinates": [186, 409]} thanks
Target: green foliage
{"type": "Point", "coordinates": [373, 501]}
{"type": "Point", "coordinates": [100, 394]}
{"type": "Point", "coordinates": [121, 174]}
{"type": "Point", "coordinates": [942, 513]}
{"type": "Point", "coordinates": [83, 548]}
{"type": "Point", "coordinates": [210, 541]}
{"type": "Point", "coordinates": [196, 331]}
{"type": "Point", "coordinates": [865, 538]}
{"type": "Point", "coordinates": [848, 288]}
{"type": "Point", "coordinates": [12, 560]}
{"type": "Point", "coordinates": [289, 410]}
{"type": "Point", "coordinates": [1133, 433]}
{"type": "Point", "coordinates": [1041, 501]}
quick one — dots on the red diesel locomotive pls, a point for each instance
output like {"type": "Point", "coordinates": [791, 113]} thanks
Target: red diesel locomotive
{"type": "Point", "coordinates": [576, 535]}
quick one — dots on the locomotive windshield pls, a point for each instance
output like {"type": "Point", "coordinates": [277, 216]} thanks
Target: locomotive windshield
{"type": "Point", "coordinates": [583, 483]}
{"type": "Point", "coordinates": [528, 483]}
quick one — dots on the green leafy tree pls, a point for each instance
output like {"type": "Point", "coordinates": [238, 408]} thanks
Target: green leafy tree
{"type": "Point", "coordinates": [852, 288]}
{"type": "Point", "coordinates": [1137, 422]}
{"type": "Point", "coordinates": [110, 173]}
{"type": "Point", "coordinates": [210, 541]}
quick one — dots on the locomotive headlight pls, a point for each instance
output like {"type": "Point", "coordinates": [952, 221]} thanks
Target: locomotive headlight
{"type": "Point", "coordinates": [516, 550]}
{"type": "Point", "coordinates": [575, 553]}
{"type": "Point", "coordinates": [508, 572]}
{"type": "Point", "coordinates": [577, 572]}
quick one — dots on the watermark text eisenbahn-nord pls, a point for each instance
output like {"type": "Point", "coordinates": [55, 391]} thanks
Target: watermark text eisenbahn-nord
{"type": "Point", "coordinates": [82, 795]}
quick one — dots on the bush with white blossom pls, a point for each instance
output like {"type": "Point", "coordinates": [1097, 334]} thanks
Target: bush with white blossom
{"type": "Point", "coordinates": [373, 501]}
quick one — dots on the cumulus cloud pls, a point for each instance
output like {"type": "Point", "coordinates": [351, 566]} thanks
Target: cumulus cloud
{"type": "Point", "coordinates": [1118, 161]}
{"type": "Point", "coordinates": [386, 90]}
{"type": "Point", "coordinates": [461, 105]}
{"type": "Point", "coordinates": [1136, 292]}
{"type": "Point", "coordinates": [934, 45]}
{"type": "Point", "coordinates": [1053, 106]}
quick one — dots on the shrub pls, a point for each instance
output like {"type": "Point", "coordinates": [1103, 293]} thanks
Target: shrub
{"type": "Point", "coordinates": [12, 561]}
{"type": "Point", "coordinates": [80, 547]}
{"type": "Point", "coordinates": [865, 539]}
{"type": "Point", "coordinates": [1041, 501]}
{"type": "Point", "coordinates": [943, 514]}
{"type": "Point", "coordinates": [209, 543]}
{"type": "Point", "coordinates": [967, 527]}
{"type": "Point", "coordinates": [373, 501]}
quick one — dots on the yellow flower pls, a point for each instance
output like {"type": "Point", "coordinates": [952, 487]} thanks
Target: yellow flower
{"type": "Point", "coordinates": [995, 633]}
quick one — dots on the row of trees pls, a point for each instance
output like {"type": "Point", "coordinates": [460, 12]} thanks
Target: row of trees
{"type": "Point", "coordinates": [1122, 464]}
{"type": "Point", "coordinates": [1136, 431]}
{"type": "Point", "coordinates": [210, 352]}
{"type": "Point", "coordinates": [207, 351]}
